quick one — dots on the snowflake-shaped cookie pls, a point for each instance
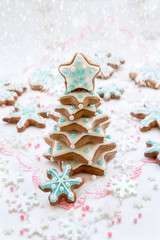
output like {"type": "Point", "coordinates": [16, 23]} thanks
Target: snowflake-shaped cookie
{"type": "Point", "coordinates": [122, 186]}
{"type": "Point", "coordinates": [150, 115]}
{"type": "Point", "coordinates": [153, 150]}
{"type": "Point", "coordinates": [74, 228]}
{"type": "Point", "coordinates": [34, 228]}
{"type": "Point", "coordinates": [22, 202]}
{"type": "Point", "coordinates": [26, 116]}
{"type": "Point", "coordinates": [79, 73]}
{"type": "Point", "coordinates": [46, 79]}
{"type": "Point", "coordinates": [9, 92]}
{"type": "Point", "coordinates": [61, 185]}
{"type": "Point", "coordinates": [147, 75]}
{"type": "Point", "coordinates": [111, 91]}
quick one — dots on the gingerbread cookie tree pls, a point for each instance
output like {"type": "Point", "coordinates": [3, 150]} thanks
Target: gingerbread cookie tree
{"type": "Point", "coordinates": [79, 137]}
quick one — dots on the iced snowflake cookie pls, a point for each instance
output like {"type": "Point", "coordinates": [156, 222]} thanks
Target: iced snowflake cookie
{"type": "Point", "coordinates": [9, 92]}
{"type": "Point", "coordinates": [25, 116]}
{"type": "Point", "coordinates": [61, 185]}
{"type": "Point", "coordinates": [78, 73]}
{"type": "Point", "coordinates": [46, 79]}
{"type": "Point", "coordinates": [110, 92]}
{"type": "Point", "coordinates": [108, 63]}
{"type": "Point", "coordinates": [147, 75]}
{"type": "Point", "coordinates": [150, 116]}
{"type": "Point", "coordinates": [153, 150]}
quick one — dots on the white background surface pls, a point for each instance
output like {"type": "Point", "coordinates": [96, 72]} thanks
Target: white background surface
{"type": "Point", "coordinates": [31, 29]}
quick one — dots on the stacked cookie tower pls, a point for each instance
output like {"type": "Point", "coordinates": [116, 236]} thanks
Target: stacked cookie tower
{"type": "Point", "coordinates": [78, 137]}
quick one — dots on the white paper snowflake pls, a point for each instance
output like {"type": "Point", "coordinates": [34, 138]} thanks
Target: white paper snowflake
{"type": "Point", "coordinates": [34, 228]}
{"type": "Point", "coordinates": [74, 228]}
{"type": "Point", "coordinates": [125, 163]}
{"type": "Point", "coordinates": [122, 186]}
{"type": "Point", "coordinates": [22, 202]}
{"type": "Point", "coordinates": [127, 143]}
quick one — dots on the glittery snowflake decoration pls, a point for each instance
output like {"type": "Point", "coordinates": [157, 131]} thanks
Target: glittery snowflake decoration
{"type": "Point", "coordinates": [22, 202]}
{"type": "Point", "coordinates": [80, 73]}
{"type": "Point", "coordinates": [127, 143]}
{"type": "Point", "coordinates": [122, 186]}
{"type": "Point", "coordinates": [61, 185]}
{"type": "Point", "coordinates": [13, 180]}
{"type": "Point", "coordinates": [150, 115]}
{"type": "Point", "coordinates": [33, 228]}
{"type": "Point", "coordinates": [74, 228]}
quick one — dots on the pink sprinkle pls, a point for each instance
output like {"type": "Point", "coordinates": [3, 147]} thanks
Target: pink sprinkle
{"type": "Point", "coordinates": [22, 217]}
{"type": "Point", "coordinates": [83, 208]}
{"type": "Point", "coordinates": [12, 188]}
{"type": "Point", "coordinates": [37, 146]}
{"type": "Point", "coordinates": [13, 111]}
{"type": "Point", "coordinates": [112, 111]}
{"type": "Point", "coordinates": [87, 207]}
{"type": "Point", "coordinates": [23, 147]}
{"type": "Point", "coordinates": [135, 220]}
{"type": "Point", "coordinates": [38, 158]}
{"type": "Point", "coordinates": [132, 136]}
{"type": "Point", "coordinates": [85, 179]}
{"type": "Point", "coordinates": [109, 234]}
{"type": "Point", "coordinates": [113, 222]}
{"type": "Point", "coordinates": [140, 90]}
{"type": "Point", "coordinates": [38, 97]}
{"type": "Point", "coordinates": [119, 219]}
{"type": "Point", "coordinates": [53, 238]}
{"type": "Point", "coordinates": [29, 144]}
{"type": "Point", "coordinates": [21, 231]}
{"type": "Point", "coordinates": [3, 106]}
{"type": "Point", "coordinates": [135, 125]}
{"type": "Point", "coordinates": [42, 106]}
{"type": "Point", "coordinates": [138, 138]}
{"type": "Point", "coordinates": [139, 215]}
{"type": "Point", "coordinates": [127, 120]}
{"type": "Point", "coordinates": [83, 214]}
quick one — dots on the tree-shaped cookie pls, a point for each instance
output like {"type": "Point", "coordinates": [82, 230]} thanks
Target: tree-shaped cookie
{"type": "Point", "coordinates": [79, 135]}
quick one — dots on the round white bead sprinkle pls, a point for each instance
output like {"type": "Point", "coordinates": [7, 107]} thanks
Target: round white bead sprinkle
{"type": "Point", "coordinates": [72, 146]}
{"type": "Point", "coordinates": [80, 106]}
{"type": "Point", "coordinates": [71, 117]}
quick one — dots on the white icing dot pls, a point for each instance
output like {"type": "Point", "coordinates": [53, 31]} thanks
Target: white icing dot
{"type": "Point", "coordinates": [84, 66]}
{"type": "Point", "coordinates": [80, 106]}
{"type": "Point", "coordinates": [96, 113]}
{"type": "Point", "coordinates": [58, 129]}
{"type": "Point", "coordinates": [61, 189]}
{"type": "Point", "coordinates": [93, 177]}
{"type": "Point", "coordinates": [53, 197]}
{"type": "Point", "coordinates": [72, 146]}
{"type": "Point", "coordinates": [89, 131]}
{"type": "Point", "coordinates": [69, 167]}
{"type": "Point", "coordinates": [61, 180]}
{"type": "Point", "coordinates": [52, 160]}
{"type": "Point", "coordinates": [71, 117]}
{"type": "Point", "coordinates": [73, 69]}
{"type": "Point", "coordinates": [53, 186]}
{"type": "Point", "coordinates": [70, 194]}
{"type": "Point", "coordinates": [67, 184]}
{"type": "Point", "coordinates": [90, 162]}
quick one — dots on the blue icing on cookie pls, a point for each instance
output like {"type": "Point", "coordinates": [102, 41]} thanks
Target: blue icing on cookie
{"type": "Point", "coordinates": [87, 150]}
{"type": "Point", "coordinates": [100, 162]}
{"type": "Point", "coordinates": [97, 130]}
{"type": "Point", "coordinates": [72, 107]}
{"type": "Point", "coordinates": [86, 120]}
{"type": "Point", "coordinates": [60, 184]}
{"type": "Point", "coordinates": [62, 119]}
{"type": "Point", "coordinates": [110, 90]}
{"type": "Point", "coordinates": [73, 135]}
{"type": "Point", "coordinates": [58, 147]}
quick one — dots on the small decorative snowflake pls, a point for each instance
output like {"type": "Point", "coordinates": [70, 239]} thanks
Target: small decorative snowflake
{"type": "Point", "coordinates": [13, 180]}
{"type": "Point", "coordinates": [138, 205]}
{"type": "Point", "coordinates": [146, 196]}
{"type": "Point", "coordinates": [150, 115]}
{"type": "Point", "coordinates": [33, 228]}
{"type": "Point", "coordinates": [22, 202]}
{"type": "Point", "coordinates": [127, 143]}
{"type": "Point", "coordinates": [74, 228]}
{"type": "Point", "coordinates": [125, 163]}
{"type": "Point", "coordinates": [122, 186]}
{"type": "Point", "coordinates": [61, 184]}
